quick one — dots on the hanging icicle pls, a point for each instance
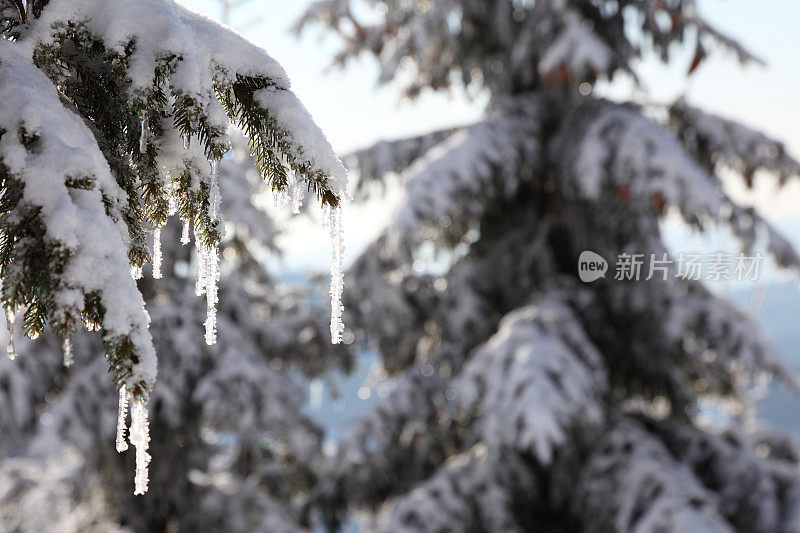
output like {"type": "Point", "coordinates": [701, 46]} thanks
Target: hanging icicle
{"type": "Point", "coordinates": [157, 253]}
{"type": "Point", "coordinates": [326, 216]}
{"type": "Point", "coordinates": [297, 195]}
{"type": "Point", "coordinates": [337, 281]}
{"type": "Point", "coordinates": [280, 198]}
{"type": "Point", "coordinates": [210, 283]}
{"type": "Point", "coordinates": [143, 133]}
{"type": "Point", "coordinates": [214, 196]}
{"type": "Point", "coordinates": [185, 233]}
{"type": "Point", "coordinates": [136, 272]}
{"type": "Point", "coordinates": [200, 260]}
{"type": "Point", "coordinates": [140, 438]}
{"type": "Point", "coordinates": [122, 414]}
{"type": "Point", "coordinates": [172, 206]}
{"type": "Point", "coordinates": [10, 317]}
{"type": "Point", "coordinates": [69, 358]}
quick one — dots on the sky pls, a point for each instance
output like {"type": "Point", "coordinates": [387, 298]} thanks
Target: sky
{"type": "Point", "coordinates": [354, 112]}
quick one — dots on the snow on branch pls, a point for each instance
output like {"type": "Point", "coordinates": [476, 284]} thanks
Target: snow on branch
{"type": "Point", "coordinates": [758, 487]}
{"type": "Point", "coordinates": [451, 184]}
{"type": "Point", "coordinates": [389, 449]}
{"type": "Point", "coordinates": [652, 491]}
{"type": "Point", "coordinates": [623, 150]}
{"type": "Point", "coordinates": [472, 491]}
{"type": "Point", "coordinates": [716, 140]}
{"type": "Point", "coordinates": [750, 228]}
{"type": "Point", "coordinates": [577, 52]}
{"type": "Point", "coordinates": [201, 58]}
{"type": "Point", "coordinates": [63, 213]}
{"type": "Point", "coordinates": [722, 341]}
{"type": "Point", "coordinates": [376, 163]}
{"type": "Point", "coordinates": [537, 375]}
{"type": "Point", "coordinates": [389, 309]}
{"type": "Point", "coordinates": [625, 155]}
{"type": "Point", "coordinates": [35, 494]}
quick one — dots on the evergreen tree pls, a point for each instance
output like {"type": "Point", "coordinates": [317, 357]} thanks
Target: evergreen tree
{"type": "Point", "coordinates": [525, 399]}
{"type": "Point", "coordinates": [114, 117]}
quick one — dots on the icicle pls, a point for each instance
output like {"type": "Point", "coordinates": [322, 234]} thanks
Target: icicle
{"type": "Point", "coordinates": [136, 272]}
{"type": "Point", "coordinates": [185, 233]}
{"type": "Point", "coordinates": [122, 414]}
{"type": "Point", "coordinates": [200, 275]}
{"type": "Point", "coordinates": [140, 438]}
{"type": "Point", "coordinates": [12, 353]}
{"type": "Point", "coordinates": [172, 206]}
{"type": "Point", "coordinates": [200, 259]}
{"type": "Point", "coordinates": [185, 141]}
{"type": "Point", "coordinates": [69, 358]}
{"type": "Point", "coordinates": [297, 196]}
{"type": "Point", "coordinates": [326, 216]}
{"type": "Point", "coordinates": [211, 278]}
{"type": "Point", "coordinates": [337, 282]}
{"type": "Point", "coordinates": [143, 134]}
{"type": "Point", "coordinates": [157, 253]}
{"type": "Point", "coordinates": [214, 196]}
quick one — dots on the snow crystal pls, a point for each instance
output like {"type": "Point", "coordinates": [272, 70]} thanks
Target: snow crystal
{"type": "Point", "coordinates": [122, 413]}
{"type": "Point", "coordinates": [185, 233]}
{"type": "Point", "coordinates": [157, 253]}
{"type": "Point", "coordinates": [297, 195]}
{"type": "Point", "coordinates": [337, 277]}
{"type": "Point", "coordinates": [12, 354]}
{"type": "Point", "coordinates": [143, 134]}
{"type": "Point", "coordinates": [280, 199]}
{"type": "Point", "coordinates": [200, 260]}
{"type": "Point", "coordinates": [212, 276]}
{"type": "Point", "coordinates": [140, 438]}
{"type": "Point", "coordinates": [213, 191]}
{"type": "Point", "coordinates": [69, 358]}
{"type": "Point", "coordinates": [326, 216]}
{"type": "Point", "coordinates": [172, 205]}
{"type": "Point", "coordinates": [206, 283]}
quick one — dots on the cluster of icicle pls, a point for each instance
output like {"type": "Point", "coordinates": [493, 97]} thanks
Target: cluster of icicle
{"type": "Point", "coordinates": [139, 436]}
{"type": "Point", "coordinates": [208, 257]}
{"type": "Point", "coordinates": [332, 220]}
{"type": "Point", "coordinates": [208, 274]}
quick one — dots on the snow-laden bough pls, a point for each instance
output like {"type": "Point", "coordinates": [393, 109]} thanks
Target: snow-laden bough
{"type": "Point", "coordinates": [85, 173]}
